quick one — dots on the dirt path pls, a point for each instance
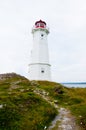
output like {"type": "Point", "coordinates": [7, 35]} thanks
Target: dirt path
{"type": "Point", "coordinates": [64, 120]}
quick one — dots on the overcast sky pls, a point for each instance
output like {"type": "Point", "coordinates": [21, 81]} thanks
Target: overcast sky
{"type": "Point", "coordinates": [67, 39]}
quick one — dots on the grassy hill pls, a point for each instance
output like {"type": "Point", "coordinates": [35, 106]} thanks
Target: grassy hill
{"type": "Point", "coordinates": [22, 109]}
{"type": "Point", "coordinates": [71, 98]}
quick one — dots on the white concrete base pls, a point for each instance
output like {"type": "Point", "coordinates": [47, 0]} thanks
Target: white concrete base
{"type": "Point", "coordinates": [39, 72]}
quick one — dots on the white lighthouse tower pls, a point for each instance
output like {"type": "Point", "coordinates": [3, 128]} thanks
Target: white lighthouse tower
{"type": "Point", "coordinates": [39, 68]}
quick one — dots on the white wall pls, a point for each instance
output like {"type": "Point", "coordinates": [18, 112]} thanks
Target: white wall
{"type": "Point", "coordinates": [39, 56]}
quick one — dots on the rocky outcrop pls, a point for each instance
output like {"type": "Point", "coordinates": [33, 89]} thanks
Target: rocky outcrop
{"type": "Point", "coordinates": [8, 75]}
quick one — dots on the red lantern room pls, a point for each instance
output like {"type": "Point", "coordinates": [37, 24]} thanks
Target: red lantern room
{"type": "Point", "coordinates": [40, 24]}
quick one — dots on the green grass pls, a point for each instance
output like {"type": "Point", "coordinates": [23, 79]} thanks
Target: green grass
{"type": "Point", "coordinates": [23, 109]}
{"type": "Point", "coordinates": [72, 98]}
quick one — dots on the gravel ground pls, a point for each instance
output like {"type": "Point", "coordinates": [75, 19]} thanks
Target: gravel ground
{"type": "Point", "coordinates": [63, 121]}
{"type": "Point", "coordinates": [66, 121]}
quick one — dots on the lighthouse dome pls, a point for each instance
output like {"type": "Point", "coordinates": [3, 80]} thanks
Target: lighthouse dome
{"type": "Point", "coordinates": [40, 24]}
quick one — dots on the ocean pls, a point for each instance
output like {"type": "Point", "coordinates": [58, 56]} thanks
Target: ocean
{"type": "Point", "coordinates": [76, 84]}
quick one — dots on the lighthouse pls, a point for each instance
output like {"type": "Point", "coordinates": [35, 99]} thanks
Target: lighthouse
{"type": "Point", "coordinates": [39, 67]}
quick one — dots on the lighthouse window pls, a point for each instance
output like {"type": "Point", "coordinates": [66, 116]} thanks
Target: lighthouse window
{"type": "Point", "coordinates": [42, 70]}
{"type": "Point", "coordinates": [38, 24]}
{"type": "Point", "coordinates": [42, 35]}
{"type": "Point", "coordinates": [41, 24]}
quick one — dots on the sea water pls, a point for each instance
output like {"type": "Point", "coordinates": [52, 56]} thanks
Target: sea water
{"type": "Point", "coordinates": [78, 85]}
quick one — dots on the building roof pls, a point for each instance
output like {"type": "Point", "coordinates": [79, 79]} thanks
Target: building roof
{"type": "Point", "coordinates": [40, 21]}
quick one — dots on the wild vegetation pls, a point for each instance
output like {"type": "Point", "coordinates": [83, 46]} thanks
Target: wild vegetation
{"type": "Point", "coordinates": [71, 98]}
{"type": "Point", "coordinates": [22, 109]}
